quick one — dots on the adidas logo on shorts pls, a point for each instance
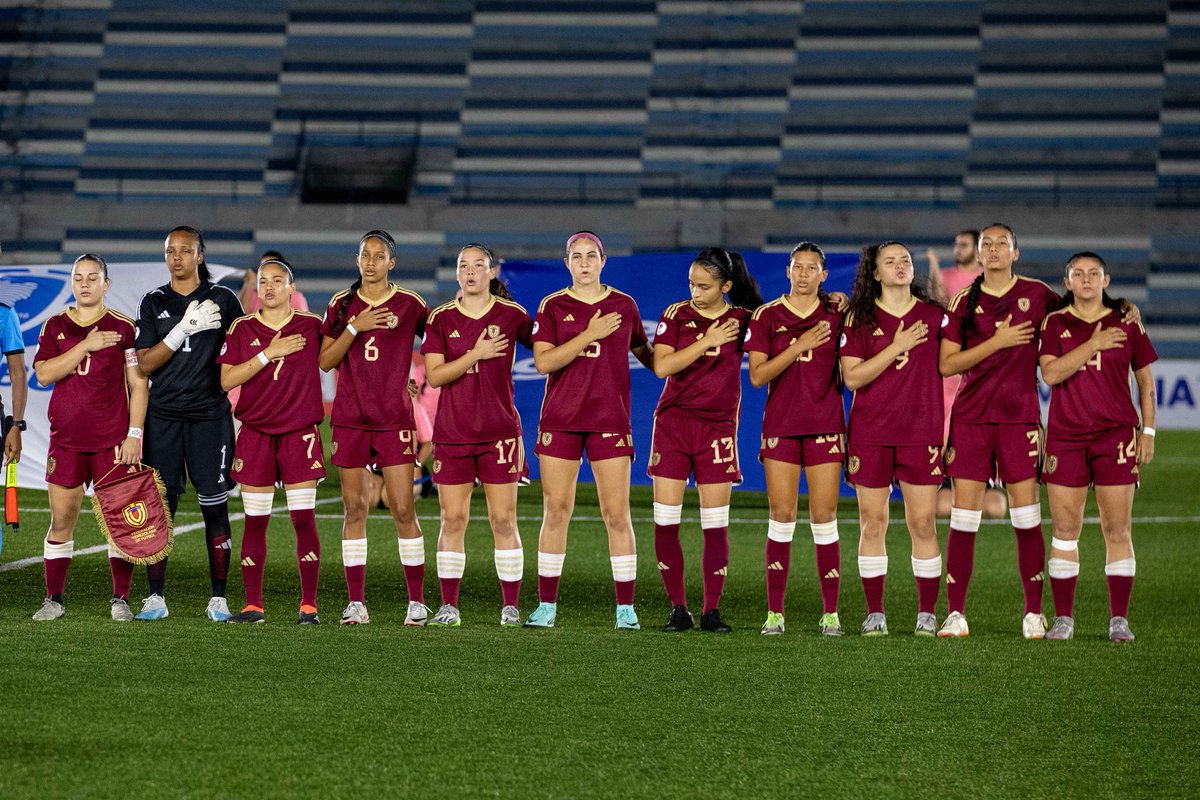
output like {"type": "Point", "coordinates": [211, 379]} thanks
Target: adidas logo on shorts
{"type": "Point", "coordinates": [315, 465]}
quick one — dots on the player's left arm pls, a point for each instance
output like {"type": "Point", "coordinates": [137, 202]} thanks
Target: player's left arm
{"type": "Point", "coordinates": [139, 398]}
{"type": "Point", "coordinates": [14, 353]}
{"type": "Point", "coordinates": [1147, 400]}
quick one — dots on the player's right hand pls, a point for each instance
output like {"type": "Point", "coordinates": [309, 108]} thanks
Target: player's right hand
{"type": "Point", "coordinates": [720, 333]}
{"type": "Point", "coordinates": [486, 348]}
{"type": "Point", "coordinates": [601, 326]}
{"type": "Point", "coordinates": [282, 345]}
{"type": "Point", "coordinates": [98, 340]}
{"type": "Point", "coordinates": [1107, 338]}
{"type": "Point", "coordinates": [1009, 335]}
{"type": "Point", "coordinates": [908, 338]}
{"type": "Point", "coordinates": [812, 338]}
{"type": "Point", "coordinates": [371, 319]}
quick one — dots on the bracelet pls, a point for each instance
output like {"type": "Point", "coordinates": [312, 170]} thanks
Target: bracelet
{"type": "Point", "coordinates": [1148, 432]}
{"type": "Point", "coordinates": [353, 330]}
{"type": "Point", "coordinates": [262, 357]}
{"type": "Point", "coordinates": [134, 433]}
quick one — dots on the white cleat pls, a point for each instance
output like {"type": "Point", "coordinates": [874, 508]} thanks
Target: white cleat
{"type": "Point", "coordinates": [510, 617]}
{"type": "Point", "coordinates": [954, 626]}
{"type": "Point", "coordinates": [1034, 626]}
{"type": "Point", "coordinates": [218, 609]}
{"type": "Point", "coordinates": [51, 609]}
{"type": "Point", "coordinates": [121, 612]}
{"type": "Point", "coordinates": [355, 614]}
{"type": "Point", "coordinates": [153, 607]}
{"type": "Point", "coordinates": [418, 614]}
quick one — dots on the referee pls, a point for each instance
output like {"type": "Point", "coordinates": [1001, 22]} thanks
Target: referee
{"type": "Point", "coordinates": [189, 430]}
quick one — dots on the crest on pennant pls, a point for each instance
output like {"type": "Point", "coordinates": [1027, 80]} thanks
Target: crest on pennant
{"type": "Point", "coordinates": [135, 514]}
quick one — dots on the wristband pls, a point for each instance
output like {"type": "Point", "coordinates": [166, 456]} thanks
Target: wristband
{"type": "Point", "coordinates": [175, 338]}
{"type": "Point", "coordinates": [134, 433]}
{"type": "Point", "coordinates": [353, 330]}
{"type": "Point", "coordinates": [262, 357]}
{"type": "Point", "coordinates": [1148, 432]}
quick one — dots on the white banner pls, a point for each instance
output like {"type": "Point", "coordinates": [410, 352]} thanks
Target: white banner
{"type": "Point", "coordinates": [40, 291]}
{"type": "Point", "coordinates": [1177, 384]}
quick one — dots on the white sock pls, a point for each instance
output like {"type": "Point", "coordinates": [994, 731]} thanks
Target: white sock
{"type": "Point", "coordinates": [624, 568]}
{"type": "Point", "coordinates": [780, 531]}
{"type": "Point", "coordinates": [824, 532]}
{"type": "Point", "coordinates": [258, 504]}
{"type": "Point", "coordinates": [927, 567]}
{"type": "Point", "coordinates": [451, 564]}
{"type": "Point", "coordinates": [667, 515]}
{"type": "Point", "coordinates": [510, 564]}
{"type": "Point", "coordinates": [1026, 517]}
{"type": "Point", "coordinates": [354, 552]}
{"type": "Point", "coordinates": [301, 499]}
{"type": "Point", "coordinates": [872, 566]}
{"type": "Point", "coordinates": [1126, 567]}
{"type": "Point", "coordinates": [550, 565]}
{"type": "Point", "coordinates": [51, 550]}
{"type": "Point", "coordinates": [717, 517]}
{"type": "Point", "coordinates": [965, 520]}
{"type": "Point", "coordinates": [1062, 568]}
{"type": "Point", "coordinates": [412, 551]}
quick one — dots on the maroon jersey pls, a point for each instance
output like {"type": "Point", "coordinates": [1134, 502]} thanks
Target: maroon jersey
{"type": "Point", "coordinates": [372, 390]}
{"type": "Point", "coordinates": [285, 395]}
{"type": "Point", "coordinates": [89, 408]}
{"type": "Point", "coordinates": [1097, 397]}
{"type": "Point", "coordinates": [903, 405]}
{"type": "Point", "coordinates": [710, 388]}
{"type": "Point", "coordinates": [1002, 387]}
{"type": "Point", "coordinates": [591, 394]}
{"type": "Point", "coordinates": [806, 398]}
{"type": "Point", "coordinates": [478, 406]}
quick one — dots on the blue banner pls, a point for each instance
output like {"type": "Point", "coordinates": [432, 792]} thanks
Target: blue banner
{"type": "Point", "coordinates": [655, 281]}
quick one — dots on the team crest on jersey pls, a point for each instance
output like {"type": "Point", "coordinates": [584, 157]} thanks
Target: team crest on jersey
{"type": "Point", "coordinates": [238, 464]}
{"type": "Point", "coordinates": [392, 321]}
{"type": "Point", "coordinates": [772, 442]}
{"type": "Point", "coordinates": [1023, 303]}
{"type": "Point", "coordinates": [51, 463]}
{"type": "Point", "coordinates": [547, 438]}
{"type": "Point", "coordinates": [949, 456]}
{"type": "Point", "coordinates": [333, 448]}
{"type": "Point", "coordinates": [135, 514]}
{"type": "Point", "coordinates": [1051, 464]}
{"type": "Point", "coordinates": [493, 331]}
{"type": "Point", "coordinates": [437, 466]}
{"type": "Point", "coordinates": [655, 458]}
{"type": "Point", "coordinates": [854, 464]}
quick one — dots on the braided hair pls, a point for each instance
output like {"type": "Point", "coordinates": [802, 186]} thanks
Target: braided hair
{"type": "Point", "coordinates": [201, 268]}
{"type": "Point", "coordinates": [726, 266]}
{"type": "Point", "coordinates": [344, 306]}
{"type": "Point", "coordinates": [1118, 304]}
{"type": "Point", "coordinates": [496, 286]}
{"type": "Point", "coordinates": [867, 288]}
{"type": "Point", "coordinates": [812, 247]}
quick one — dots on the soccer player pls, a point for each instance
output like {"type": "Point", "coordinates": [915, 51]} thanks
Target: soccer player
{"type": "Point", "coordinates": [272, 355]}
{"type": "Point", "coordinates": [469, 349]}
{"type": "Point", "coordinates": [12, 344]}
{"type": "Point", "coordinates": [97, 411]}
{"type": "Point", "coordinates": [582, 336]}
{"type": "Point", "coordinates": [1086, 353]}
{"type": "Point", "coordinates": [698, 349]}
{"type": "Point", "coordinates": [180, 329]}
{"type": "Point", "coordinates": [793, 346]}
{"type": "Point", "coordinates": [368, 336]}
{"type": "Point", "coordinates": [889, 357]}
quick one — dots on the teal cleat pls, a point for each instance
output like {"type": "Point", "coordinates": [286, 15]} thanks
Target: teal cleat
{"type": "Point", "coordinates": [627, 619]}
{"type": "Point", "coordinates": [543, 616]}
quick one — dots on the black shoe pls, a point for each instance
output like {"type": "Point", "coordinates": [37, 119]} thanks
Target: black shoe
{"type": "Point", "coordinates": [711, 621]}
{"type": "Point", "coordinates": [249, 615]}
{"type": "Point", "coordinates": [308, 618]}
{"type": "Point", "coordinates": [681, 620]}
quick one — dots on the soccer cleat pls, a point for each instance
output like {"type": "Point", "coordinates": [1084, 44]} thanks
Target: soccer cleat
{"type": "Point", "coordinates": [121, 612]}
{"type": "Point", "coordinates": [831, 625]}
{"type": "Point", "coordinates": [774, 624]}
{"type": "Point", "coordinates": [446, 617]}
{"type": "Point", "coordinates": [681, 620]}
{"type": "Point", "coordinates": [153, 607]}
{"type": "Point", "coordinates": [926, 624]}
{"type": "Point", "coordinates": [355, 614]}
{"type": "Point", "coordinates": [218, 609]}
{"type": "Point", "coordinates": [954, 626]}
{"type": "Point", "coordinates": [711, 622]}
{"type": "Point", "coordinates": [1033, 626]}
{"type": "Point", "coordinates": [247, 615]}
{"type": "Point", "coordinates": [627, 619]}
{"type": "Point", "coordinates": [51, 609]}
{"type": "Point", "coordinates": [308, 618]}
{"type": "Point", "coordinates": [875, 624]}
{"type": "Point", "coordinates": [1118, 630]}
{"type": "Point", "coordinates": [510, 617]}
{"type": "Point", "coordinates": [1062, 629]}
{"type": "Point", "coordinates": [417, 614]}
{"type": "Point", "coordinates": [543, 616]}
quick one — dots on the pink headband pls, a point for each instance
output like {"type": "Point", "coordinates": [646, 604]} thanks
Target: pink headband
{"type": "Point", "coordinates": [585, 235]}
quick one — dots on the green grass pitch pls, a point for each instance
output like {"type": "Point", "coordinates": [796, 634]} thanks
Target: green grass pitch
{"type": "Point", "coordinates": [188, 708]}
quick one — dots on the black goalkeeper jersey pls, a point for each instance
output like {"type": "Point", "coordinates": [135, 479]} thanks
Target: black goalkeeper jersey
{"type": "Point", "coordinates": [188, 386]}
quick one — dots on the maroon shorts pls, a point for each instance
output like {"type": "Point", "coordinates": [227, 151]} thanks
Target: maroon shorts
{"type": "Point", "coordinates": [357, 448]}
{"type": "Point", "coordinates": [804, 451]}
{"type": "Point", "coordinates": [683, 445]}
{"type": "Point", "coordinates": [71, 468]}
{"type": "Point", "coordinates": [1110, 459]}
{"type": "Point", "coordinates": [496, 462]}
{"type": "Point", "coordinates": [571, 445]}
{"type": "Point", "coordinates": [983, 451]}
{"type": "Point", "coordinates": [264, 459]}
{"type": "Point", "coordinates": [875, 466]}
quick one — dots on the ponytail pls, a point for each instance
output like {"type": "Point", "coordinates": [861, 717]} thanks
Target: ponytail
{"type": "Point", "coordinates": [500, 289]}
{"type": "Point", "coordinates": [201, 268]}
{"type": "Point", "coordinates": [813, 247]}
{"type": "Point", "coordinates": [496, 286]}
{"type": "Point", "coordinates": [972, 300]}
{"type": "Point", "coordinates": [726, 266]}
{"type": "Point", "coordinates": [1118, 304]}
